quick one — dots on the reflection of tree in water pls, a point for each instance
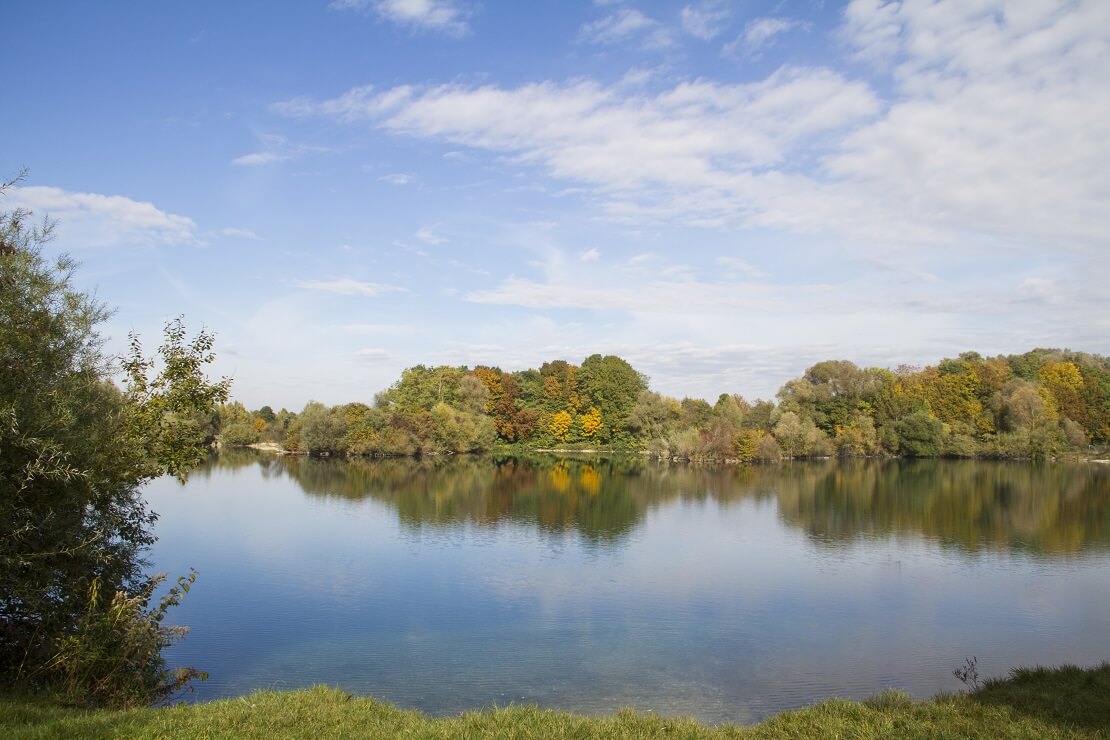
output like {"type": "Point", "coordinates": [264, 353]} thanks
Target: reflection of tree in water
{"type": "Point", "coordinates": [601, 499]}
{"type": "Point", "coordinates": [1051, 508]}
{"type": "Point", "coordinates": [584, 496]}
{"type": "Point", "coordinates": [973, 505]}
{"type": "Point", "coordinates": [235, 459]}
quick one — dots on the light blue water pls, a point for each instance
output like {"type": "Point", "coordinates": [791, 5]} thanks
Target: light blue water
{"type": "Point", "coordinates": [723, 593]}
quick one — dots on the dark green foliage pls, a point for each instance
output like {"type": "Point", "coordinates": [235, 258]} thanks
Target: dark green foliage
{"type": "Point", "coordinates": [920, 435]}
{"type": "Point", "coordinates": [612, 385]}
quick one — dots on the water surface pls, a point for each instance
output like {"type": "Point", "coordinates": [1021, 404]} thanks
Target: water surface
{"type": "Point", "coordinates": [724, 593]}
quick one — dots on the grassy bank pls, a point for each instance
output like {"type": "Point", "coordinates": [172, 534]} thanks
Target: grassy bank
{"type": "Point", "coordinates": [1032, 703]}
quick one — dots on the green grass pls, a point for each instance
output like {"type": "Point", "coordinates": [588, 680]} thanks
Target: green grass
{"type": "Point", "coordinates": [1038, 703]}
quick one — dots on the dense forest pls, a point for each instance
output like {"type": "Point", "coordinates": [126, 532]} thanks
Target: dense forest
{"type": "Point", "coordinates": [1034, 405]}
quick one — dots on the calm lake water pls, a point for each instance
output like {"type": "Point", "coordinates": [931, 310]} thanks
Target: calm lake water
{"type": "Point", "coordinates": [720, 592]}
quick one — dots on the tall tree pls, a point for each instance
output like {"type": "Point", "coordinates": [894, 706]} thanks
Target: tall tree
{"type": "Point", "coordinates": [613, 386]}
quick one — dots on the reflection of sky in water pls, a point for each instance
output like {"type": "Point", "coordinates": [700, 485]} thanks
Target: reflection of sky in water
{"type": "Point", "coordinates": [712, 606]}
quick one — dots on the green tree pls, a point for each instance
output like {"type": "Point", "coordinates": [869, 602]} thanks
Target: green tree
{"type": "Point", "coordinates": [613, 386]}
{"type": "Point", "coordinates": [800, 437]}
{"type": "Point", "coordinates": [653, 417]}
{"type": "Point", "coordinates": [237, 425]}
{"type": "Point", "coordinates": [74, 453]}
{"type": "Point", "coordinates": [322, 430]}
{"type": "Point", "coordinates": [421, 388]}
{"type": "Point", "coordinates": [920, 434]}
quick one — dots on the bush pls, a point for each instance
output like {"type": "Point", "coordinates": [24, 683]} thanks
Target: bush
{"type": "Point", "coordinates": [113, 656]}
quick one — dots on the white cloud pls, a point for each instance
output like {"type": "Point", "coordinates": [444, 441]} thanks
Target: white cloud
{"type": "Point", "coordinates": [373, 354]}
{"type": "Point", "coordinates": [872, 29]}
{"type": "Point", "coordinates": [645, 258]}
{"type": "Point", "coordinates": [760, 33]}
{"type": "Point", "coordinates": [347, 286]}
{"type": "Point", "coordinates": [761, 30]}
{"type": "Point", "coordinates": [626, 25]}
{"type": "Point", "coordinates": [993, 135]}
{"type": "Point", "coordinates": [274, 149]}
{"type": "Point", "coordinates": [240, 233]}
{"type": "Point", "coordinates": [428, 236]}
{"type": "Point", "coordinates": [376, 329]}
{"type": "Point", "coordinates": [94, 220]}
{"type": "Point", "coordinates": [259, 159]}
{"type": "Point", "coordinates": [398, 178]}
{"type": "Point", "coordinates": [589, 255]}
{"type": "Point", "coordinates": [658, 296]}
{"type": "Point", "coordinates": [999, 124]}
{"type": "Point", "coordinates": [705, 20]}
{"type": "Point", "coordinates": [696, 134]}
{"type": "Point", "coordinates": [740, 267]}
{"type": "Point", "coordinates": [443, 16]}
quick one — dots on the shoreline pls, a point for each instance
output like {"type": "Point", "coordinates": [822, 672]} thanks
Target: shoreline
{"type": "Point", "coordinates": [1060, 702]}
{"type": "Point", "coordinates": [274, 448]}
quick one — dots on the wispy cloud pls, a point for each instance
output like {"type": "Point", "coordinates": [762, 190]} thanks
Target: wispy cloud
{"type": "Point", "coordinates": [994, 131]}
{"type": "Point", "coordinates": [998, 126]}
{"type": "Point", "coordinates": [442, 16]}
{"type": "Point", "coordinates": [589, 255]}
{"type": "Point", "coordinates": [274, 149]}
{"type": "Point", "coordinates": [628, 26]}
{"type": "Point", "coordinates": [392, 330]}
{"type": "Point", "coordinates": [347, 286]}
{"type": "Point", "coordinates": [700, 146]}
{"type": "Point", "coordinates": [705, 20]}
{"type": "Point", "coordinates": [95, 220]}
{"type": "Point", "coordinates": [398, 178]}
{"type": "Point", "coordinates": [240, 233]}
{"type": "Point", "coordinates": [259, 159]}
{"type": "Point", "coordinates": [739, 266]}
{"type": "Point", "coordinates": [428, 236]}
{"type": "Point", "coordinates": [761, 33]}
{"type": "Point", "coordinates": [373, 354]}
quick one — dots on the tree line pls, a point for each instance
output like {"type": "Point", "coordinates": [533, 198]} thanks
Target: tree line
{"type": "Point", "coordinates": [1039, 404]}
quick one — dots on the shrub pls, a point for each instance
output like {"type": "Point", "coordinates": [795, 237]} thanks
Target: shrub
{"type": "Point", "coordinates": [113, 656]}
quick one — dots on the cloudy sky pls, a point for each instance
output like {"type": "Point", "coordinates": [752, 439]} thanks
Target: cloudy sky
{"type": "Point", "coordinates": [723, 193]}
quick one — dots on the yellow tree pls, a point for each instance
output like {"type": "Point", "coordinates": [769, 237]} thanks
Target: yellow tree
{"type": "Point", "coordinates": [1064, 381]}
{"type": "Point", "coordinates": [590, 422]}
{"type": "Point", "coordinates": [561, 423]}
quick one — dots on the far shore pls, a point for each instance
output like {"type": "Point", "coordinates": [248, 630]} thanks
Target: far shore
{"type": "Point", "coordinates": [274, 448]}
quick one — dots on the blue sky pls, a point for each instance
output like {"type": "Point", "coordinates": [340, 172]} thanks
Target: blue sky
{"type": "Point", "coordinates": [722, 193]}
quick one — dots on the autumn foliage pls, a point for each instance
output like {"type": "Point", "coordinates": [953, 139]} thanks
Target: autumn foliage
{"type": "Point", "coordinates": [1038, 404]}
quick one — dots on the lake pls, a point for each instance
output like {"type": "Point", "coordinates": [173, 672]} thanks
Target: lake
{"type": "Point", "coordinates": [726, 593]}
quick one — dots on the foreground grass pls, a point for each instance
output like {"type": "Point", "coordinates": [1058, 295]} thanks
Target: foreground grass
{"type": "Point", "coordinates": [1062, 702]}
